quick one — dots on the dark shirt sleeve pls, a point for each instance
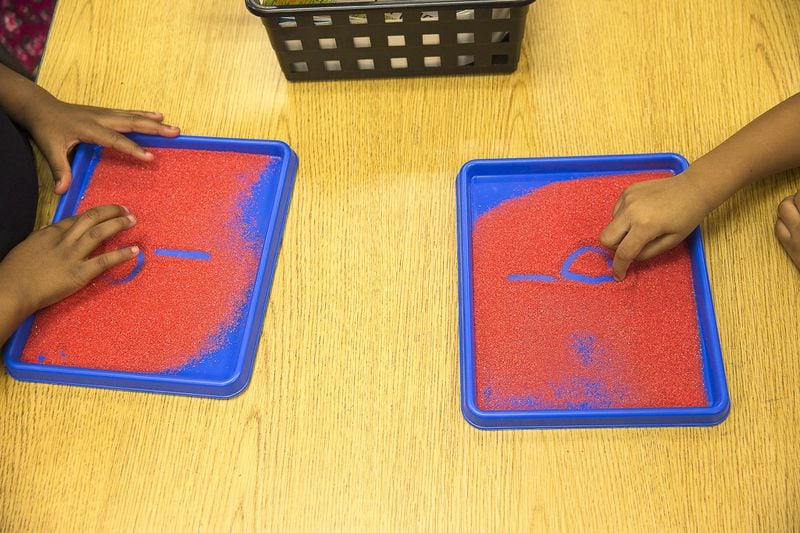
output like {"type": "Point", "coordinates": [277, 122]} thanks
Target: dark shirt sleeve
{"type": "Point", "coordinates": [19, 188]}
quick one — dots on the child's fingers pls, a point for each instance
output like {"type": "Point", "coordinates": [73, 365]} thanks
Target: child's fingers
{"type": "Point", "coordinates": [627, 251]}
{"type": "Point", "coordinates": [131, 122]}
{"type": "Point", "coordinates": [96, 235]}
{"type": "Point", "coordinates": [97, 265]}
{"type": "Point", "coordinates": [119, 142]}
{"type": "Point", "coordinates": [106, 111]}
{"type": "Point", "coordinates": [613, 234]}
{"type": "Point", "coordinates": [149, 114]}
{"type": "Point", "coordinates": [617, 206]}
{"type": "Point", "coordinates": [92, 218]}
{"type": "Point", "coordinates": [658, 246]}
{"type": "Point", "coordinates": [64, 224]}
{"type": "Point", "coordinates": [789, 214]}
{"type": "Point", "coordinates": [59, 165]}
{"type": "Point", "coordinates": [782, 232]}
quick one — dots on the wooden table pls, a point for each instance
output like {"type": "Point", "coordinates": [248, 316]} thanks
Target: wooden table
{"type": "Point", "coordinates": [352, 418]}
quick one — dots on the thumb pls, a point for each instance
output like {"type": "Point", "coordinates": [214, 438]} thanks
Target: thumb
{"type": "Point", "coordinates": [59, 165]}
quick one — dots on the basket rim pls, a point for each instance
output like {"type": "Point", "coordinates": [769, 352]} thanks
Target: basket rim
{"type": "Point", "coordinates": [378, 5]}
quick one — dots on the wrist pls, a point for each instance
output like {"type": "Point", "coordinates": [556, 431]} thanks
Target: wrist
{"type": "Point", "coordinates": [33, 107]}
{"type": "Point", "coordinates": [13, 302]}
{"type": "Point", "coordinates": [715, 180]}
{"type": "Point", "coordinates": [21, 98]}
{"type": "Point", "coordinates": [12, 313]}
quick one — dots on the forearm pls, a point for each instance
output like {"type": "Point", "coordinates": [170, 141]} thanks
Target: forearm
{"type": "Point", "coordinates": [768, 145]}
{"type": "Point", "coordinates": [20, 97]}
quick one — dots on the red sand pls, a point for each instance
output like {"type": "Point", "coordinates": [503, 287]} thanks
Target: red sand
{"type": "Point", "coordinates": [566, 344]}
{"type": "Point", "coordinates": [591, 264]}
{"type": "Point", "coordinates": [174, 310]}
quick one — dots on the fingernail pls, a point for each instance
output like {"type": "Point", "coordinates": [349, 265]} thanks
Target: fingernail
{"type": "Point", "coordinates": [134, 250]}
{"type": "Point", "coordinates": [173, 127]}
{"type": "Point", "coordinates": [131, 219]}
{"type": "Point", "coordinates": [125, 209]}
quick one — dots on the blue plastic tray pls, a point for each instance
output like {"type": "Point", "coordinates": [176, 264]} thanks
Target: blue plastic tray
{"type": "Point", "coordinates": [226, 372]}
{"type": "Point", "coordinates": [483, 184]}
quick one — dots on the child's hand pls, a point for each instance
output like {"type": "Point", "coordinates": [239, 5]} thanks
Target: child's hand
{"type": "Point", "coordinates": [54, 261]}
{"type": "Point", "coordinates": [653, 216]}
{"type": "Point", "coordinates": [57, 127]}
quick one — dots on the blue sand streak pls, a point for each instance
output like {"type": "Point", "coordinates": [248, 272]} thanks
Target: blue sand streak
{"type": "Point", "coordinates": [167, 252]}
{"type": "Point", "coordinates": [136, 269]}
{"type": "Point", "coordinates": [530, 277]}
{"type": "Point", "coordinates": [183, 254]}
{"type": "Point", "coordinates": [566, 273]}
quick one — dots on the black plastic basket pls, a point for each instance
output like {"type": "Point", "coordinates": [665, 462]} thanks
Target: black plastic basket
{"type": "Point", "coordinates": [390, 39]}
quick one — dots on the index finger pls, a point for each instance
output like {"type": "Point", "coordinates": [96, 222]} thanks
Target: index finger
{"type": "Point", "coordinates": [627, 251]}
{"type": "Point", "coordinates": [155, 115]}
{"type": "Point", "coordinates": [93, 217]}
{"type": "Point", "coordinates": [134, 122]}
{"type": "Point", "coordinates": [119, 142]}
{"type": "Point", "coordinates": [615, 232]}
{"type": "Point", "coordinates": [63, 224]}
{"type": "Point", "coordinates": [67, 222]}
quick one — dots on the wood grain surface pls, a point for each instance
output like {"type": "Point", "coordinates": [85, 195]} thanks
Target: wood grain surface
{"type": "Point", "coordinates": [352, 418]}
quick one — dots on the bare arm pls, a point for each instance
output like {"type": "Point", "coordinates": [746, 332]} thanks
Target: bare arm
{"type": "Point", "coordinates": [55, 261]}
{"type": "Point", "coordinates": [654, 216]}
{"type": "Point", "coordinates": [19, 95]}
{"type": "Point", "coordinates": [57, 127]}
{"type": "Point", "coordinates": [768, 145]}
